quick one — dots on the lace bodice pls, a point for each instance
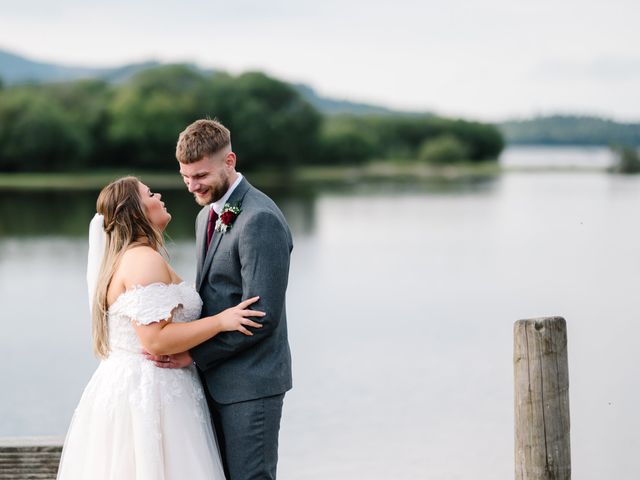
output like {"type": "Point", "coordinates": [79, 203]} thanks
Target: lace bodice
{"type": "Point", "coordinates": [148, 304]}
{"type": "Point", "coordinates": [126, 373]}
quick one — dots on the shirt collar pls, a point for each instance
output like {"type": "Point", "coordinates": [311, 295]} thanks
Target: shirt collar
{"type": "Point", "coordinates": [219, 205]}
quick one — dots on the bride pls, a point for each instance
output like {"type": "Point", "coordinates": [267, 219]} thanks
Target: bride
{"type": "Point", "coordinates": [134, 420]}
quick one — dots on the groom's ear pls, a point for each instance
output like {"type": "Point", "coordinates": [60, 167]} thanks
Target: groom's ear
{"type": "Point", "coordinates": [230, 160]}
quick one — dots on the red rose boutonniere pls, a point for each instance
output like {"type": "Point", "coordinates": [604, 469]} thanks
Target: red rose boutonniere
{"type": "Point", "coordinates": [227, 217]}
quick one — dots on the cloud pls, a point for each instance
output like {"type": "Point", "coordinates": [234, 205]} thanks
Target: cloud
{"type": "Point", "coordinates": [604, 69]}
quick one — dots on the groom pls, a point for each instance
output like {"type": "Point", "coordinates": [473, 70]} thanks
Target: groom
{"type": "Point", "coordinates": [243, 244]}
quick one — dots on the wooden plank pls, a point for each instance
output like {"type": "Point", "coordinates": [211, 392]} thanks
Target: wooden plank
{"type": "Point", "coordinates": [30, 458]}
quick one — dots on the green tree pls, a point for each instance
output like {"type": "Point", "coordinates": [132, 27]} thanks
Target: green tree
{"type": "Point", "coordinates": [571, 130]}
{"type": "Point", "coordinates": [87, 104]}
{"type": "Point", "coordinates": [484, 141]}
{"type": "Point", "coordinates": [402, 137]}
{"type": "Point", "coordinates": [445, 149]}
{"type": "Point", "coordinates": [346, 142]}
{"type": "Point", "coordinates": [148, 113]}
{"type": "Point", "coordinates": [90, 123]}
{"type": "Point", "coordinates": [37, 134]}
{"type": "Point", "coordinates": [271, 124]}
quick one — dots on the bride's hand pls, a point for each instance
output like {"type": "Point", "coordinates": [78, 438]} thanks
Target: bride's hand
{"type": "Point", "coordinates": [235, 318]}
{"type": "Point", "coordinates": [177, 360]}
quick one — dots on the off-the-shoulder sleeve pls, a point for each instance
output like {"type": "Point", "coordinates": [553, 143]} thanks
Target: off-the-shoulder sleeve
{"type": "Point", "coordinates": [153, 303]}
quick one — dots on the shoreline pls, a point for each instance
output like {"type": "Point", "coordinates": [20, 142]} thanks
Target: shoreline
{"type": "Point", "coordinates": [398, 172]}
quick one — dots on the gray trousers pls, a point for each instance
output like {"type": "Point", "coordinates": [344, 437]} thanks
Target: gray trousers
{"type": "Point", "coordinates": [247, 435]}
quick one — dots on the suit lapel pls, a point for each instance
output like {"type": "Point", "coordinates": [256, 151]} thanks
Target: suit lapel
{"type": "Point", "coordinates": [215, 241]}
{"type": "Point", "coordinates": [237, 196]}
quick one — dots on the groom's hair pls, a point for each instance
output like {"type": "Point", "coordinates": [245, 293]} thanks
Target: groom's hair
{"type": "Point", "coordinates": [201, 139]}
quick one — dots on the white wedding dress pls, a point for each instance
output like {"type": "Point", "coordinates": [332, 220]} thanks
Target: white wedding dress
{"type": "Point", "coordinates": [137, 421]}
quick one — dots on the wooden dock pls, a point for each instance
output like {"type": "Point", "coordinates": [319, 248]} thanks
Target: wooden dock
{"type": "Point", "coordinates": [30, 458]}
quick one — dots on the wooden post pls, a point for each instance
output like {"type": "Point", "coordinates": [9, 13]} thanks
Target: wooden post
{"type": "Point", "coordinates": [542, 447]}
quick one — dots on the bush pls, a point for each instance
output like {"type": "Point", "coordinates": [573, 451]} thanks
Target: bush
{"type": "Point", "coordinates": [442, 150]}
{"type": "Point", "coordinates": [628, 159]}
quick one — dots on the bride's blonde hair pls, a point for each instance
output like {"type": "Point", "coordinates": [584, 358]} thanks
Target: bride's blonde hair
{"type": "Point", "coordinates": [125, 224]}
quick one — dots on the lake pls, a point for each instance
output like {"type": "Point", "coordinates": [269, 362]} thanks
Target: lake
{"type": "Point", "coordinates": [401, 306]}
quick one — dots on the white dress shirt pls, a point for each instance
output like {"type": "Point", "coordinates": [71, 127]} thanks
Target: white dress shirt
{"type": "Point", "coordinates": [219, 205]}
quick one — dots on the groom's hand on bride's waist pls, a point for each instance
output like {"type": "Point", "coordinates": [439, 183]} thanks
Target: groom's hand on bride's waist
{"type": "Point", "coordinates": [177, 360]}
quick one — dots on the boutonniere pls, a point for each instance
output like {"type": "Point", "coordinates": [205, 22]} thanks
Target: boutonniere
{"type": "Point", "coordinates": [227, 217]}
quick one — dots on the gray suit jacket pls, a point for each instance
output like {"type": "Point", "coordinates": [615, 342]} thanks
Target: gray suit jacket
{"type": "Point", "coordinates": [250, 259]}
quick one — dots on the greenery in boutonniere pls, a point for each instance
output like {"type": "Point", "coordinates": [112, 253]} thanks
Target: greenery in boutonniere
{"type": "Point", "coordinates": [227, 217]}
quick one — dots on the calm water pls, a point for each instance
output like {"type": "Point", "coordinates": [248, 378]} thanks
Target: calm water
{"type": "Point", "coordinates": [401, 305]}
{"type": "Point", "coordinates": [558, 157]}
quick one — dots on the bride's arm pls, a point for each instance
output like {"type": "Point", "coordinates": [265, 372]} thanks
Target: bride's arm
{"type": "Point", "coordinates": [142, 267]}
{"type": "Point", "coordinates": [166, 338]}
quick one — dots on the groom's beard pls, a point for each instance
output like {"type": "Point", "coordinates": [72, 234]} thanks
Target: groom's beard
{"type": "Point", "coordinates": [214, 193]}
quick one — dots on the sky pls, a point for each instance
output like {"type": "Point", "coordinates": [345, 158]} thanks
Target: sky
{"type": "Point", "coordinates": [483, 59]}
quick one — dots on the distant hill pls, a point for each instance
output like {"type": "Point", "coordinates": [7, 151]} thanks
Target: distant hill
{"type": "Point", "coordinates": [332, 106]}
{"type": "Point", "coordinates": [15, 70]}
{"type": "Point", "coordinates": [570, 130]}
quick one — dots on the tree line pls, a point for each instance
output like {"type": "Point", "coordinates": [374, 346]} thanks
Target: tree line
{"type": "Point", "coordinates": [93, 124]}
{"type": "Point", "coordinates": [571, 130]}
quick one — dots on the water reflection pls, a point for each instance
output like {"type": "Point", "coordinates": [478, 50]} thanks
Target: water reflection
{"type": "Point", "coordinates": [45, 213]}
{"type": "Point", "coordinates": [67, 213]}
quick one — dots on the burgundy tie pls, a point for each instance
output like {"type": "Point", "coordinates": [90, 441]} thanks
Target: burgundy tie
{"type": "Point", "coordinates": [213, 217]}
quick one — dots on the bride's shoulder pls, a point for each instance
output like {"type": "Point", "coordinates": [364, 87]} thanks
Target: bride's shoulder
{"type": "Point", "coordinates": [143, 266]}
